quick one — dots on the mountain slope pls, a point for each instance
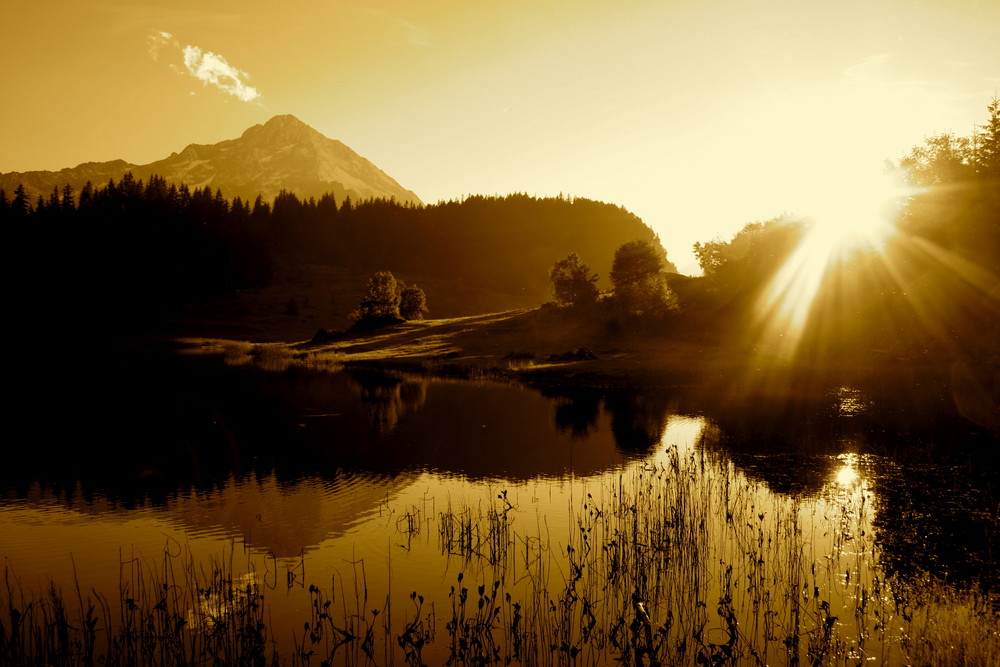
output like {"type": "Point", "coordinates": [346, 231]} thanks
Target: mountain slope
{"type": "Point", "coordinates": [282, 154]}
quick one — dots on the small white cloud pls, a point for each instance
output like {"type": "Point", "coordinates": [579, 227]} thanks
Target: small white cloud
{"type": "Point", "coordinates": [208, 67]}
{"type": "Point", "coordinates": [158, 39]}
{"type": "Point", "coordinates": [213, 68]}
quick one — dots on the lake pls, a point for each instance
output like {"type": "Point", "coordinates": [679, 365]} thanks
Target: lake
{"type": "Point", "coordinates": [388, 517]}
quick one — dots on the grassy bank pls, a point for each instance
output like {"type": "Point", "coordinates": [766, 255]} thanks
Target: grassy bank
{"type": "Point", "coordinates": [552, 347]}
{"type": "Point", "coordinates": [532, 344]}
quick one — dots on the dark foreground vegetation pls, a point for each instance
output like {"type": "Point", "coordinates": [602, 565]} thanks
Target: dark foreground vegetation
{"type": "Point", "coordinates": [678, 563]}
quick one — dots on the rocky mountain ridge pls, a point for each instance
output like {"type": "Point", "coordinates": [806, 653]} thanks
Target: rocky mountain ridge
{"type": "Point", "coordinates": [282, 154]}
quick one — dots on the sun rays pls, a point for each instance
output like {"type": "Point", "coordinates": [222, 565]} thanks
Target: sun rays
{"type": "Point", "coordinates": [846, 222]}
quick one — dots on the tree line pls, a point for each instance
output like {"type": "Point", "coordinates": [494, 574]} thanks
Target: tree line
{"type": "Point", "coordinates": [137, 246]}
{"type": "Point", "coordinates": [640, 293]}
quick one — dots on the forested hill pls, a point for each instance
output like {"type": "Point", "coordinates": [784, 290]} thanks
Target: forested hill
{"type": "Point", "coordinates": [504, 245]}
{"type": "Point", "coordinates": [143, 247]}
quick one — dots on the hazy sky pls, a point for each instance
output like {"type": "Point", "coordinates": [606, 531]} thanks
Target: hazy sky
{"type": "Point", "coordinates": [697, 115]}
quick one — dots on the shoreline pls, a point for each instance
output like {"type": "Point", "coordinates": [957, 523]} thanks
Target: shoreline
{"type": "Point", "coordinates": [548, 348]}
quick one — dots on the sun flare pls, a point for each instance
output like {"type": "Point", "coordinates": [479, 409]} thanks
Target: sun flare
{"type": "Point", "coordinates": [856, 213]}
{"type": "Point", "coordinates": [846, 215]}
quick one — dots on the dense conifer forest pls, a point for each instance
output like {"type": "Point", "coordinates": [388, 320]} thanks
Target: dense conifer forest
{"type": "Point", "coordinates": [135, 249]}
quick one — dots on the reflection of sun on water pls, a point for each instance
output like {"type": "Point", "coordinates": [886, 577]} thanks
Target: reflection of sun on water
{"type": "Point", "coordinates": [850, 401]}
{"type": "Point", "coordinates": [682, 433]}
{"type": "Point", "coordinates": [847, 474]}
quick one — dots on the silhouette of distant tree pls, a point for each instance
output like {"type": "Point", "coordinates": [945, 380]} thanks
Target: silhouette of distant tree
{"type": "Point", "coordinates": [67, 204]}
{"type": "Point", "coordinates": [388, 301]}
{"type": "Point", "coordinates": [54, 203]}
{"type": "Point", "coordinates": [19, 205]}
{"type": "Point", "coordinates": [949, 159]}
{"type": "Point", "coordinates": [634, 262]}
{"type": "Point", "coordinates": [573, 282]}
{"type": "Point", "coordinates": [412, 302]}
{"type": "Point", "coordinates": [380, 303]}
{"type": "Point", "coordinates": [86, 198]}
{"type": "Point", "coordinates": [988, 142]}
{"type": "Point", "coordinates": [739, 267]}
{"type": "Point", "coordinates": [641, 288]}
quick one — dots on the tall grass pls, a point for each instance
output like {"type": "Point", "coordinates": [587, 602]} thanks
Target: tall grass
{"type": "Point", "coordinates": [680, 562]}
{"type": "Point", "coordinates": [174, 612]}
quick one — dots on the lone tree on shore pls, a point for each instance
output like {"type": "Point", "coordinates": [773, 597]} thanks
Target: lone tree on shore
{"type": "Point", "coordinates": [573, 283]}
{"type": "Point", "coordinates": [641, 287]}
{"type": "Point", "coordinates": [388, 301]}
{"type": "Point", "coordinates": [412, 301]}
{"type": "Point", "coordinates": [380, 304]}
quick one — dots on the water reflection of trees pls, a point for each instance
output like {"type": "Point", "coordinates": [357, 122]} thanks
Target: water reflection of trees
{"type": "Point", "coordinates": [385, 398]}
{"type": "Point", "coordinates": [638, 416]}
{"type": "Point", "coordinates": [577, 414]}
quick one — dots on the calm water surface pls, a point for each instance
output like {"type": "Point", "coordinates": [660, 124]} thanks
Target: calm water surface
{"type": "Point", "coordinates": [360, 482]}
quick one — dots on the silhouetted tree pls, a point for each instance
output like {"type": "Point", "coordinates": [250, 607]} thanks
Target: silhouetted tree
{"type": "Point", "coordinates": [741, 265]}
{"type": "Point", "coordinates": [380, 304]}
{"type": "Point", "coordinates": [67, 203]}
{"type": "Point", "coordinates": [19, 205]}
{"type": "Point", "coordinates": [634, 261]}
{"type": "Point", "coordinates": [988, 142]}
{"type": "Point", "coordinates": [573, 283]}
{"type": "Point", "coordinates": [86, 196]}
{"type": "Point", "coordinates": [641, 288]}
{"type": "Point", "coordinates": [941, 159]}
{"type": "Point", "coordinates": [412, 302]}
{"type": "Point", "coordinates": [54, 203]}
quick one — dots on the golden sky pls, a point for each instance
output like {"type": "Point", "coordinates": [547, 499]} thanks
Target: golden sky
{"type": "Point", "coordinates": [697, 115]}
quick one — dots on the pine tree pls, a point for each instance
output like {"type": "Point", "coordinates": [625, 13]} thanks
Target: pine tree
{"type": "Point", "coordinates": [988, 143]}
{"type": "Point", "coordinates": [67, 199]}
{"type": "Point", "coordinates": [86, 196]}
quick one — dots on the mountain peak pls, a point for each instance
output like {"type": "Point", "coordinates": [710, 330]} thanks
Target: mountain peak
{"type": "Point", "coordinates": [285, 120]}
{"type": "Point", "coordinates": [281, 154]}
{"type": "Point", "coordinates": [285, 127]}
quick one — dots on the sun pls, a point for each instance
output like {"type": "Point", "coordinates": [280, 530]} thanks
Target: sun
{"type": "Point", "coordinates": [846, 216]}
{"type": "Point", "coordinates": [852, 213]}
